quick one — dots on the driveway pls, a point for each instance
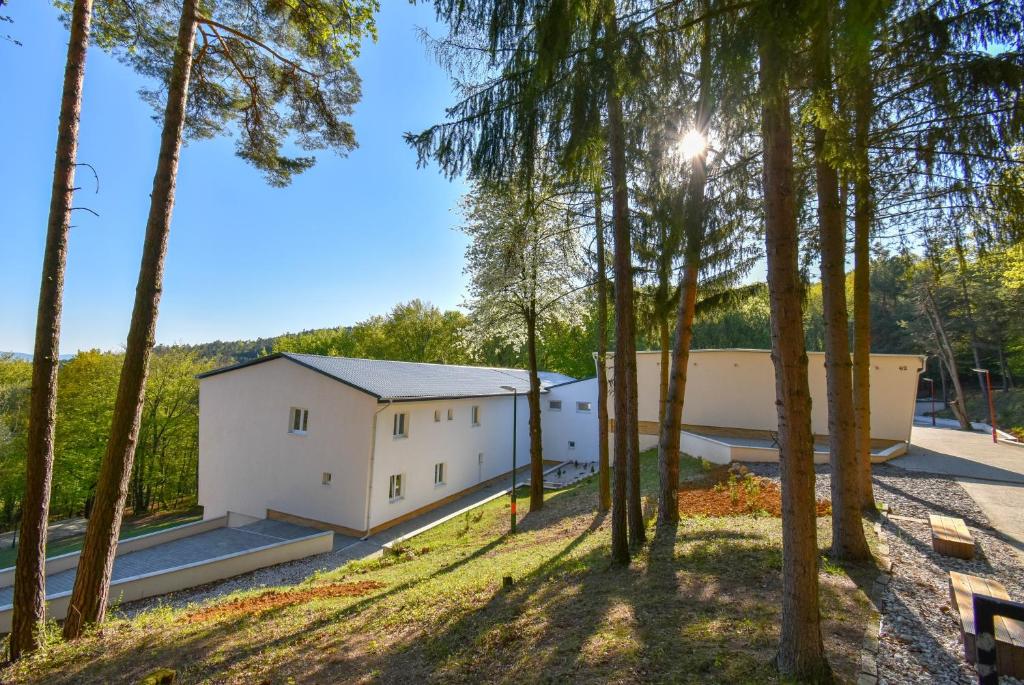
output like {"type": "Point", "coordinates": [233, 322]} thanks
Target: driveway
{"type": "Point", "coordinates": [992, 474]}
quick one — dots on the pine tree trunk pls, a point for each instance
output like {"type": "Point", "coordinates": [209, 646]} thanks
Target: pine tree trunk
{"type": "Point", "coordinates": [30, 572]}
{"type": "Point", "coordinates": [604, 493]}
{"type": "Point", "coordinates": [848, 541]}
{"type": "Point", "coordinates": [862, 217]}
{"type": "Point", "coordinates": [626, 510]}
{"type": "Point", "coordinates": [801, 653]}
{"type": "Point", "coordinates": [533, 399]}
{"type": "Point", "coordinates": [665, 364]}
{"type": "Point", "coordinates": [92, 582]}
{"type": "Point", "coordinates": [693, 229]}
{"type": "Point", "coordinates": [668, 444]}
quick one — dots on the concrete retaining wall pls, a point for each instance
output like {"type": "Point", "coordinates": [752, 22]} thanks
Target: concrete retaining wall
{"type": "Point", "coordinates": [64, 562]}
{"type": "Point", "coordinates": [191, 575]}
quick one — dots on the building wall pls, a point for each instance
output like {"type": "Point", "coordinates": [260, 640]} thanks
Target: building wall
{"type": "Point", "coordinates": [249, 462]}
{"type": "Point", "coordinates": [570, 434]}
{"type": "Point", "coordinates": [736, 388]}
{"type": "Point", "coordinates": [457, 443]}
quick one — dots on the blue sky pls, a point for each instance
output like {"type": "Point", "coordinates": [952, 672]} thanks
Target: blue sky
{"type": "Point", "coordinates": [348, 239]}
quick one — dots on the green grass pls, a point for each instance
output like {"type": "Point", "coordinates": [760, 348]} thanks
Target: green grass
{"type": "Point", "coordinates": [130, 528]}
{"type": "Point", "coordinates": [699, 603]}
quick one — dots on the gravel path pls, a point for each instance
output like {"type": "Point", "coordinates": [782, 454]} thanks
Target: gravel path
{"type": "Point", "coordinates": [920, 636]}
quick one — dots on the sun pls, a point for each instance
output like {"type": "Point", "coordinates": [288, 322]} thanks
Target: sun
{"type": "Point", "coordinates": [693, 144]}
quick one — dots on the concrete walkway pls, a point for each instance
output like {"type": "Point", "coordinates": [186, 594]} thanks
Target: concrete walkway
{"type": "Point", "coordinates": [192, 549]}
{"type": "Point", "coordinates": [992, 474]}
{"type": "Point", "coordinates": [59, 530]}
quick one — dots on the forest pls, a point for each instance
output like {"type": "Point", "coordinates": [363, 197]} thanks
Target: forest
{"type": "Point", "coordinates": [642, 174]}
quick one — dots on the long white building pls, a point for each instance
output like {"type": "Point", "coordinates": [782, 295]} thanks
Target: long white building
{"type": "Point", "coordinates": [358, 445]}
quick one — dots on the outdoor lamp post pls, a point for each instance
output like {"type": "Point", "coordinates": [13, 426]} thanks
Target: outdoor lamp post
{"type": "Point", "coordinates": [991, 403]}
{"type": "Point", "coordinates": [515, 406]}
{"type": "Point", "coordinates": [931, 384]}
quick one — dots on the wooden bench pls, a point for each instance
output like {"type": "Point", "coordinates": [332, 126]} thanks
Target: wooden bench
{"type": "Point", "coordinates": [1009, 633]}
{"type": "Point", "coordinates": [951, 537]}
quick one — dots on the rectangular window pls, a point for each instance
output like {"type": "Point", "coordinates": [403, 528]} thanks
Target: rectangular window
{"type": "Point", "coordinates": [476, 415]}
{"type": "Point", "coordinates": [439, 474]}
{"type": "Point", "coordinates": [401, 426]}
{"type": "Point", "coordinates": [583, 406]}
{"type": "Point", "coordinates": [437, 416]}
{"type": "Point", "coordinates": [555, 405]}
{"type": "Point", "coordinates": [396, 488]}
{"type": "Point", "coordinates": [298, 421]}
{"type": "Point", "coordinates": [326, 479]}
{"type": "Point", "coordinates": [451, 414]}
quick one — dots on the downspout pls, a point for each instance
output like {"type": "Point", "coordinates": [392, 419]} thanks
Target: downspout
{"type": "Point", "coordinates": [369, 474]}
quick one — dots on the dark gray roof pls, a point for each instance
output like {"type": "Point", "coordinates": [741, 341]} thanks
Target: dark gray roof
{"type": "Point", "coordinates": [391, 380]}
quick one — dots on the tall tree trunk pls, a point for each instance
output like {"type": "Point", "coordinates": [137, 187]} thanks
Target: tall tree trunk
{"type": "Point", "coordinates": [92, 582]}
{"type": "Point", "coordinates": [533, 400]}
{"type": "Point", "coordinates": [801, 654]}
{"type": "Point", "coordinates": [604, 493]}
{"type": "Point", "coordinates": [959, 405]}
{"type": "Point", "coordinates": [30, 573]}
{"type": "Point", "coordinates": [862, 218]}
{"type": "Point", "coordinates": [848, 541]}
{"type": "Point", "coordinates": [693, 231]}
{"type": "Point", "coordinates": [664, 347]}
{"type": "Point", "coordinates": [627, 465]}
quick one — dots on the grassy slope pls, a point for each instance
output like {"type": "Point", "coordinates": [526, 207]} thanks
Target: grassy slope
{"type": "Point", "coordinates": [699, 603]}
{"type": "Point", "coordinates": [130, 528]}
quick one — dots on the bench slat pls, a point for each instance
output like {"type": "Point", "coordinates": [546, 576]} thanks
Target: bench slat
{"type": "Point", "coordinates": [951, 537]}
{"type": "Point", "coordinates": [1009, 633]}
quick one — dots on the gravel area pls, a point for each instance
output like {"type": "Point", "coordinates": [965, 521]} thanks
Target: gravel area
{"type": "Point", "coordinates": [920, 635]}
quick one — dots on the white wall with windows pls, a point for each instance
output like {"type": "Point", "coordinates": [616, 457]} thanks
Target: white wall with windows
{"type": "Point", "coordinates": [441, 447]}
{"type": "Point", "coordinates": [278, 436]}
{"type": "Point", "coordinates": [569, 421]}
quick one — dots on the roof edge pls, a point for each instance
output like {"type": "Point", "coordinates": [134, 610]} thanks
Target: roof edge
{"type": "Point", "coordinates": [285, 355]}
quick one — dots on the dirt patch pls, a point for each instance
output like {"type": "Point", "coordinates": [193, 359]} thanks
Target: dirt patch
{"type": "Point", "coordinates": [732, 493]}
{"type": "Point", "coordinates": [273, 599]}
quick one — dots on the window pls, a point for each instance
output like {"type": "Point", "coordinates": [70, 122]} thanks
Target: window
{"type": "Point", "coordinates": [476, 415]}
{"type": "Point", "coordinates": [396, 489]}
{"type": "Point", "coordinates": [439, 473]}
{"type": "Point", "coordinates": [555, 405]}
{"type": "Point", "coordinates": [583, 406]}
{"type": "Point", "coordinates": [299, 421]}
{"type": "Point", "coordinates": [437, 416]}
{"type": "Point", "coordinates": [326, 479]}
{"type": "Point", "coordinates": [451, 414]}
{"type": "Point", "coordinates": [401, 426]}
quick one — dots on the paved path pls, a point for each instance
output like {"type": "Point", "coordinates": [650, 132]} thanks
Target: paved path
{"type": "Point", "coordinates": [992, 474]}
{"type": "Point", "coordinates": [58, 530]}
{"type": "Point", "coordinates": [199, 547]}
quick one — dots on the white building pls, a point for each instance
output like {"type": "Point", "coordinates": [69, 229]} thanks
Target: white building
{"type": "Point", "coordinates": [358, 445]}
{"type": "Point", "coordinates": [729, 411]}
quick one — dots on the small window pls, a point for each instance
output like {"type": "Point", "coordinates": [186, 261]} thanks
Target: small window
{"type": "Point", "coordinates": [326, 479]}
{"type": "Point", "coordinates": [451, 414]}
{"type": "Point", "coordinates": [572, 444]}
{"type": "Point", "coordinates": [401, 426]}
{"type": "Point", "coordinates": [298, 422]}
{"type": "Point", "coordinates": [437, 416]}
{"type": "Point", "coordinates": [555, 405]}
{"type": "Point", "coordinates": [439, 473]}
{"type": "Point", "coordinates": [396, 489]}
{"type": "Point", "coordinates": [476, 415]}
{"type": "Point", "coordinates": [583, 406]}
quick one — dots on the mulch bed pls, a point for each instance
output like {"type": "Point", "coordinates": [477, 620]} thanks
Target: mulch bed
{"type": "Point", "coordinates": [273, 599]}
{"type": "Point", "coordinates": [728, 493]}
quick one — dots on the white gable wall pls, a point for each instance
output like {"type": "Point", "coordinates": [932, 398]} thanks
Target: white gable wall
{"type": "Point", "coordinates": [249, 462]}
{"type": "Point", "coordinates": [457, 443]}
{"type": "Point", "coordinates": [569, 434]}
